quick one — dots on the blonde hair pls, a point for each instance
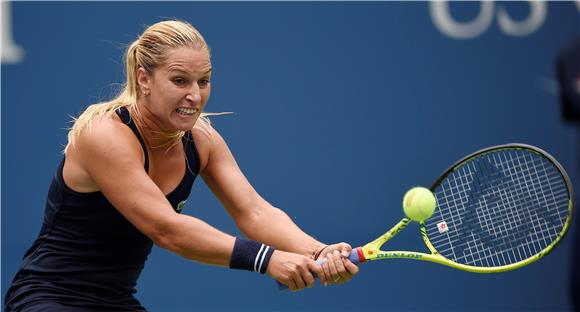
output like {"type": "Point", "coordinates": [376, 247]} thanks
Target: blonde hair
{"type": "Point", "coordinates": [148, 52]}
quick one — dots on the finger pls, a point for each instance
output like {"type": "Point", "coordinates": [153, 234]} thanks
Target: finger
{"type": "Point", "coordinates": [290, 283]}
{"type": "Point", "coordinates": [345, 250]}
{"type": "Point", "coordinates": [318, 270]}
{"type": "Point", "coordinates": [332, 266]}
{"type": "Point", "coordinates": [297, 277]}
{"type": "Point", "coordinates": [342, 271]}
{"type": "Point", "coordinates": [306, 275]}
{"type": "Point", "coordinates": [351, 267]}
{"type": "Point", "coordinates": [326, 270]}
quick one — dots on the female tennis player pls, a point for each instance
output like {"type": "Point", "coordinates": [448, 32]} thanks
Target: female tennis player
{"type": "Point", "coordinates": [127, 170]}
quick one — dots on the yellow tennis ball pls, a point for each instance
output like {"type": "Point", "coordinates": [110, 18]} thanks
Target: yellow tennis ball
{"type": "Point", "coordinates": [419, 204]}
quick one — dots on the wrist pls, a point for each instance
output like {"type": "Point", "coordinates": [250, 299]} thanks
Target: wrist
{"type": "Point", "coordinates": [250, 255]}
{"type": "Point", "coordinates": [317, 251]}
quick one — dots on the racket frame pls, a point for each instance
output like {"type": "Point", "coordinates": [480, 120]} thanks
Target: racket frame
{"type": "Point", "coordinates": [372, 251]}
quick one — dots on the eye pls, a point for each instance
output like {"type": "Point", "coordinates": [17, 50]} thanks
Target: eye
{"type": "Point", "coordinates": [203, 83]}
{"type": "Point", "coordinates": [178, 81]}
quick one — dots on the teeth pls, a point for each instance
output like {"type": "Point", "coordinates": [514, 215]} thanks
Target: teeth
{"type": "Point", "coordinates": [186, 111]}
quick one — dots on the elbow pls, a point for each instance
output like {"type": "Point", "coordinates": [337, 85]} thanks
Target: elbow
{"type": "Point", "coordinates": [250, 220]}
{"type": "Point", "coordinates": [164, 235]}
{"type": "Point", "coordinates": [163, 240]}
{"type": "Point", "coordinates": [253, 222]}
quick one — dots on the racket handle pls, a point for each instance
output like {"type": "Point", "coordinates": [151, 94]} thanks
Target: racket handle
{"type": "Point", "coordinates": [354, 257]}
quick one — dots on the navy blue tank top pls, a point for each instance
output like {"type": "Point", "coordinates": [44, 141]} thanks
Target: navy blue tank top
{"type": "Point", "coordinates": [87, 256]}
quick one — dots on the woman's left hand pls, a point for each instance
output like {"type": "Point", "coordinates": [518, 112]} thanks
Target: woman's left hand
{"type": "Point", "coordinates": [337, 268]}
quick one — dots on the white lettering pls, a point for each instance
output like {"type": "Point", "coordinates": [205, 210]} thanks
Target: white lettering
{"type": "Point", "coordinates": [11, 53]}
{"type": "Point", "coordinates": [446, 24]}
{"type": "Point", "coordinates": [536, 18]}
{"type": "Point", "coordinates": [443, 20]}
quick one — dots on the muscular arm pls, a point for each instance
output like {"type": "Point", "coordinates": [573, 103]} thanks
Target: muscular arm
{"type": "Point", "coordinates": [255, 217]}
{"type": "Point", "coordinates": [260, 221]}
{"type": "Point", "coordinates": [113, 159]}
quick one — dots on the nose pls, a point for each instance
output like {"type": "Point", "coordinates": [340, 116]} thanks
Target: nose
{"type": "Point", "coordinates": [194, 94]}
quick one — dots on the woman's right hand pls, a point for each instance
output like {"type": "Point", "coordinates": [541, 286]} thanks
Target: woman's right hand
{"type": "Point", "coordinates": [294, 270]}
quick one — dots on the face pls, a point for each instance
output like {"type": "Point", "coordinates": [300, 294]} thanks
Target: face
{"type": "Point", "coordinates": [177, 91]}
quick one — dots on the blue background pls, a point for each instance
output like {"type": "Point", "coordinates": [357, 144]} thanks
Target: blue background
{"type": "Point", "coordinates": [339, 109]}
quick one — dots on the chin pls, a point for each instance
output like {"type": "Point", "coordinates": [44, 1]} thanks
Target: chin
{"type": "Point", "coordinates": [185, 126]}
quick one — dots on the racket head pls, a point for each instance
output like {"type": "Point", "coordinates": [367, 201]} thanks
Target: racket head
{"type": "Point", "coordinates": [499, 209]}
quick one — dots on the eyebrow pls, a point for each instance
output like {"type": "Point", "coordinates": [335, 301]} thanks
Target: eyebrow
{"type": "Point", "coordinates": [174, 69]}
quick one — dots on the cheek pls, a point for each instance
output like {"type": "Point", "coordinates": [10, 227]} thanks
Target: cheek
{"type": "Point", "coordinates": [169, 96]}
{"type": "Point", "coordinates": [205, 93]}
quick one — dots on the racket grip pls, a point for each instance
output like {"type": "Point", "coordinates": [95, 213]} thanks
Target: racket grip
{"type": "Point", "coordinates": [354, 257]}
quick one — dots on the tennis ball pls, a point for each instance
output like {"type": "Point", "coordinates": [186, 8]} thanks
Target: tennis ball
{"type": "Point", "coordinates": [419, 204]}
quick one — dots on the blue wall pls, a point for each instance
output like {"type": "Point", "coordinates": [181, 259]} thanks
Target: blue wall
{"type": "Point", "coordinates": [339, 109]}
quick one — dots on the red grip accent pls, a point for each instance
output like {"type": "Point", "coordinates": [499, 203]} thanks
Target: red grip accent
{"type": "Point", "coordinates": [361, 255]}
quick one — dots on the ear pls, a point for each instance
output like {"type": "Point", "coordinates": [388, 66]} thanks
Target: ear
{"type": "Point", "coordinates": [144, 81]}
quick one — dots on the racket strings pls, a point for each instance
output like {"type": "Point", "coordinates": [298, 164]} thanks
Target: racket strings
{"type": "Point", "coordinates": [500, 208]}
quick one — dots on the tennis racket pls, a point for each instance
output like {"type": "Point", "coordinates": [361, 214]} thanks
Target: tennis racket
{"type": "Point", "coordinates": [498, 209]}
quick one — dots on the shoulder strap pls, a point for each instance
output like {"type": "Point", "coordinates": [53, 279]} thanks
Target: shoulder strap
{"type": "Point", "coordinates": [125, 116]}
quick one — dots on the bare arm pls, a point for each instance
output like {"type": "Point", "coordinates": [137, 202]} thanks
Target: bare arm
{"type": "Point", "coordinates": [260, 221]}
{"type": "Point", "coordinates": [255, 217]}
{"type": "Point", "coordinates": [112, 157]}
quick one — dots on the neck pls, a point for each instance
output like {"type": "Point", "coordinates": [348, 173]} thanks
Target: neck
{"type": "Point", "coordinates": [154, 134]}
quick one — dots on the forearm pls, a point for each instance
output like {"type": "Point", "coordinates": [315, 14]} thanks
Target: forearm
{"type": "Point", "coordinates": [272, 226]}
{"type": "Point", "coordinates": [196, 240]}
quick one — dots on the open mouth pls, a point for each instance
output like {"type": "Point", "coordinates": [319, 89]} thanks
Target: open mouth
{"type": "Point", "coordinates": [186, 111]}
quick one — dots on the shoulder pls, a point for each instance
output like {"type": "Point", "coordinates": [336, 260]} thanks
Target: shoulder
{"type": "Point", "coordinates": [97, 146]}
{"type": "Point", "coordinates": [107, 134]}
